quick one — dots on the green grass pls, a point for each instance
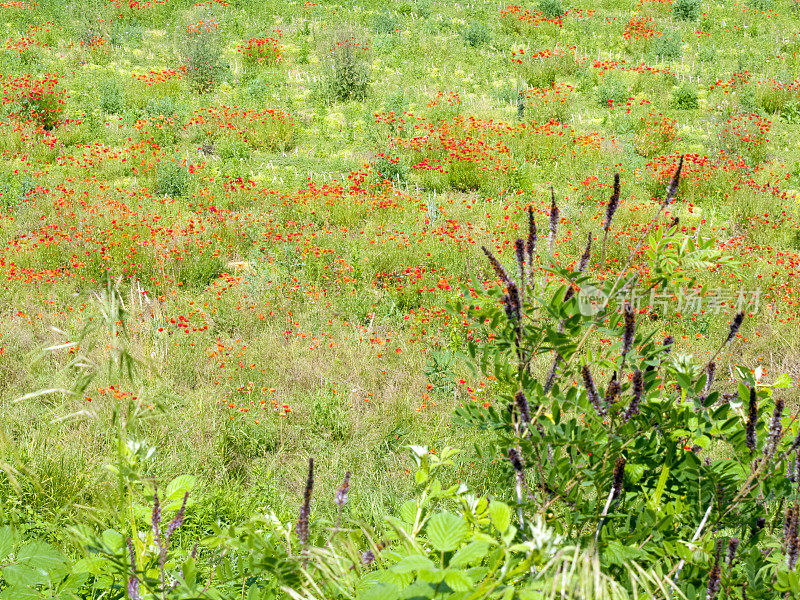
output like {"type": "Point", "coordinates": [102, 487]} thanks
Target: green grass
{"type": "Point", "coordinates": [311, 303]}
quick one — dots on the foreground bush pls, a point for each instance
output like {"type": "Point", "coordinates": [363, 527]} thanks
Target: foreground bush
{"type": "Point", "coordinates": [633, 450]}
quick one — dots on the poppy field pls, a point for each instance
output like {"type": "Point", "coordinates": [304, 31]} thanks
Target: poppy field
{"type": "Point", "coordinates": [238, 235]}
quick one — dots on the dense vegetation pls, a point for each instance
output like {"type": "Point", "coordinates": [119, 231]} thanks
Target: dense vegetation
{"type": "Point", "coordinates": [548, 250]}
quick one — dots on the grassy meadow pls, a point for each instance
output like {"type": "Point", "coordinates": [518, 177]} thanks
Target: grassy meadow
{"type": "Point", "coordinates": [285, 198]}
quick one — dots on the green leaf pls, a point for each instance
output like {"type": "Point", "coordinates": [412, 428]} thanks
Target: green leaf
{"type": "Point", "coordinates": [446, 531]}
{"type": "Point", "coordinates": [42, 556]}
{"type": "Point", "coordinates": [189, 571]}
{"type": "Point", "coordinates": [415, 562]}
{"type": "Point", "coordinates": [417, 591]}
{"type": "Point", "coordinates": [458, 581]}
{"type": "Point", "coordinates": [177, 489]}
{"type": "Point", "coordinates": [19, 593]}
{"type": "Point", "coordinates": [744, 392]}
{"type": "Point", "coordinates": [659, 491]}
{"type": "Point", "coordinates": [471, 553]}
{"type": "Point", "coordinates": [408, 511]}
{"type": "Point", "coordinates": [22, 575]}
{"type": "Point", "coordinates": [633, 472]}
{"type": "Point", "coordinates": [6, 541]}
{"type": "Point", "coordinates": [74, 582]}
{"type": "Point", "coordinates": [782, 382]}
{"type": "Point", "coordinates": [617, 554]}
{"type": "Point", "coordinates": [94, 565]}
{"type": "Point", "coordinates": [114, 540]}
{"type": "Point", "coordinates": [382, 591]}
{"type": "Point", "coordinates": [500, 514]}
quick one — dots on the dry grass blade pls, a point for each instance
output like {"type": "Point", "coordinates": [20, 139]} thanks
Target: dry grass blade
{"type": "Point", "coordinates": [577, 574]}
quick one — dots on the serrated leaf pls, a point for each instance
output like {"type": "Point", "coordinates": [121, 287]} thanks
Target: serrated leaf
{"type": "Point", "coordinates": [634, 472]}
{"type": "Point", "coordinates": [408, 511]}
{"type": "Point", "coordinates": [509, 534]}
{"type": "Point", "coordinates": [783, 381]}
{"type": "Point", "coordinates": [617, 554]}
{"type": "Point", "coordinates": [94, 565]}
{"type": "Point", "coordinates": [469, 554]}
{"type": "Point", "coordinates": [382, 591]}
{"type": "Point", "coordinates": [178, 487]}
{"type": "Point", "coordinates": [6, 541]}
{"type": "Point", "coordinates": [415, 562]}
{"type": "Point", "coordinates": [22, 575]}
{"type": "Point", "coordinates": [40, 555]}
{"type": "Point", "coordinates": [19, 593]}
{"type": "Point", "coordinates": [114, 540]}
{"type": "Point", "coordinates": [458, 581]}
{"type": "Point", "coordinates": [446, 531]}
{"type": "Point", "coordinates": [500, 514]}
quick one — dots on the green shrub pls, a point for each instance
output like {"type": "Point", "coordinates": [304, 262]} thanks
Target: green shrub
{"type": "Point", "coordinates": [542, 71]}
{"type": "Point", "coordinates": [706, 53]}
{"type": "Point", "coordinates": [162, 122]}
{"type": "Point", "coordinates": [386, 22]}
{"type": "Point", "coordinates": [233, 149]}
{"type": "Point", "coordinates": [686, 10]}
{"type": "Point", "coordinates": [763, 5]}
{"type": "Point", "coordinates": [612, 91]}
{"type": "Point", "coordinates": [349, 77]}
{"type": "Point", "coordinates": [667, 47]}
{"type": "Point", "coordinates": [790, 113]}
{"type": "Point", "coordinates": [614, 438]}
{"type": "Point", "coordinates": [162, 108]}
{"type": "Point", "coordinates": [110, 97]}
{"type": "Point", "coordinates": [477, 34]}
{"type": "Point", "coordinates": [172, 180]}
{"type": "Point", "coordinates": [200, 269]}
{"type": "Point", "coordinates": [424, 8]}
{"type": "Point", "coordinates": [551, 9]}
{"type": "Point", "coordinates": [435, 26]}
{"type": "Point", "coordinates": [201, 49]}
{"type": "Point", "coordinates": [684, 97]}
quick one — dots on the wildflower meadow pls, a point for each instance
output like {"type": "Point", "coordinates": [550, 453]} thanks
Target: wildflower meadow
{"type": "Point", "coordinates": [412, 299]}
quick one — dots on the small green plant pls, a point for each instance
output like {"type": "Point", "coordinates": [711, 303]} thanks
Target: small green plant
{"type": "Point", "coordinates": [233, 149]}
{"type": "Point", "coordinates": [661, 429]}
{"type": "Point", "coordinates": [392, 169]}
{"type": "Point", "coordinates": [791, 113]}
{"type": "Point", "coordinates": [349, 77]}
{"type": "Point", "coordinates": [385, 22]}
{"type": "Point", "coordinates": [444, 544]}
{"type": "Point", "coordinates": [439, 371]}
{"type": "Point", "coordinates": [201, 49]}
{"type": "Point", "coordinates": [687, 10]}
{"type": "Point", "coordinates": [667, 46]}
{"type": "Point", "coordinates": [110, 98]}
{"type": "Point", "coordinates": [172, 180]}
{"type": "Point", "coordinates": [35, 569]}
{"type": "Point", "coordinates": [684, 97]}
{"type": "Point", "coordinates": [551, 9]}
{"type": "Point", "coordinates": [477, 34]}
{"type": "Point", "coordinates": [611, 92]}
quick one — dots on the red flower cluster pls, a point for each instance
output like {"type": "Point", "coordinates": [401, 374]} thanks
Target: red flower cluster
{"type": "Point", "coordinates": [640, 28]}
{"type": "Point", "coordinates": [261, 50]}
{"type": "Point", "coordinates": [155, 77]}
